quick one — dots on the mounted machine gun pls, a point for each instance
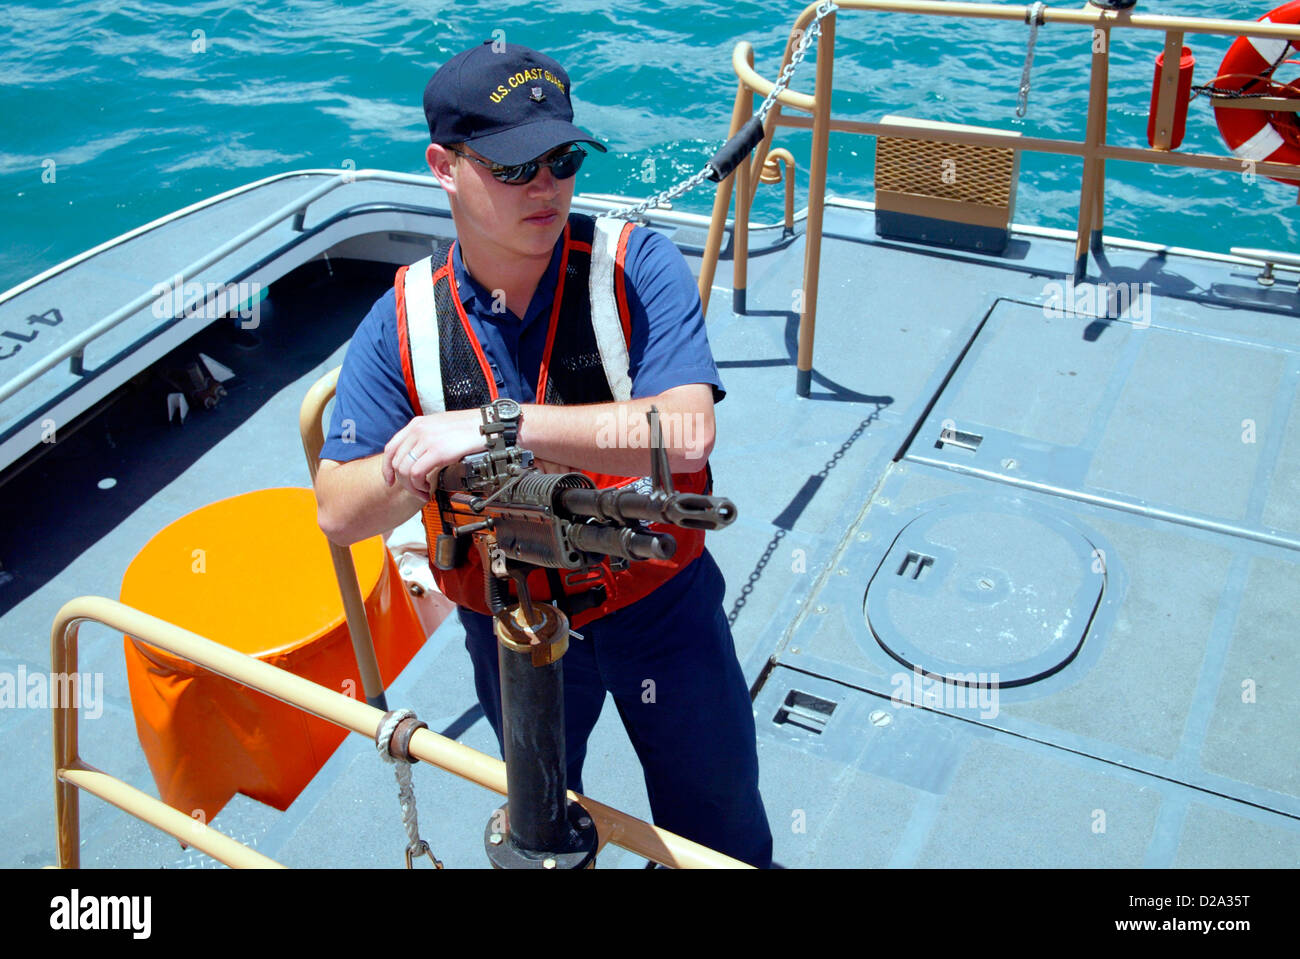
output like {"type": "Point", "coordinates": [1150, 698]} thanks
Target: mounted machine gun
{"type": "Point", "coordinates": [521, 519]}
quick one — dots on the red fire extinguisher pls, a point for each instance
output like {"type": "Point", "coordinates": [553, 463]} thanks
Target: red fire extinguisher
{"type": "Point", "coordinates": [1185, 64]}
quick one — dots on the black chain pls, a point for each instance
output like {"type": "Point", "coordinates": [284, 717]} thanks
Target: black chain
{"type": "Point", "coordinates": [824, 9]}
{"type": "Point", "coordinates": [779, 535]}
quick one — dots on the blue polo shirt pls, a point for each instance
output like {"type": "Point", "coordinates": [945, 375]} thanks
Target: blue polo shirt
{"type": "Point", "coordinates": [669, 346]}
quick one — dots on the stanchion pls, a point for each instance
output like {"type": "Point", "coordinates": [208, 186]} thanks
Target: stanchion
{"type": "Point", "coordinates": [538, 828]}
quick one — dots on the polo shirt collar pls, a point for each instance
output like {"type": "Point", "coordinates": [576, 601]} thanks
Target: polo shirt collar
{"type": "Point", "coordinates": [477, 299]}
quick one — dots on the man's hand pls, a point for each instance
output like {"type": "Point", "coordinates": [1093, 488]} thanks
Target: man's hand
{"type": "Point", "coordinates": [362, 497]}
{"type": "Point", "coordinates": [614, 438]}
{"type": "Point", "coordinates": [427, 444]}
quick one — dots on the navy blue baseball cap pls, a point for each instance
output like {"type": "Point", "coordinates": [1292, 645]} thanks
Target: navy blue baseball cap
{"type": "Point", "coordinates": [510, 103]}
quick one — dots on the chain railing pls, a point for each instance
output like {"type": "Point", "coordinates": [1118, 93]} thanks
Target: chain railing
{"type": "Point", "coordinates": [717, 169]}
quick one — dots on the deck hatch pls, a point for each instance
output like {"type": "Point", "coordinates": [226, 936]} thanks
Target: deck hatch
{"type": "Point", "coordinates": [805, 711]}
{"type": "Point", "coordinates": [1117, 409]}
{"type": "Point", "coordinates": [999, 594]}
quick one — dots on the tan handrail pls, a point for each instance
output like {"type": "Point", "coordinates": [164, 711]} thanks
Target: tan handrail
{"type": "Point", "coordinates": [1094, 149]}
{"type": "Point", "coordinates": [779, 167]}
{"type": "Point", "coordinates": [71, 773]}
{"type": "Point", "coordinates": [345, 570]}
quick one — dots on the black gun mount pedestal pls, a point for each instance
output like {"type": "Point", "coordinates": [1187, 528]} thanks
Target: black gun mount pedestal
{"type": "Point", "coordinates": [538, 828]}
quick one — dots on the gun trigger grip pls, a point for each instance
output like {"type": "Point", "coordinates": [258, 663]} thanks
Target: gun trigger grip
{"type": "Point", "coordinates": [661, 477]}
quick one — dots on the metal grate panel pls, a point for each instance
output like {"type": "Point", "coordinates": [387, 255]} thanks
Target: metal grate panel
{"type": "Point", "coordinates": [942, 180]}
{"type": "Point", "coordinates": [948, 171]}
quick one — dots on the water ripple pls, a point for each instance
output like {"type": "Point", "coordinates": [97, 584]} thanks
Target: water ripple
{"type": "Point", "coordinates": [147, 104]}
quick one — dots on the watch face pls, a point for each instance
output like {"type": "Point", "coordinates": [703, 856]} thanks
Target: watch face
{"type": "Point", "coordinates": [507, 409]}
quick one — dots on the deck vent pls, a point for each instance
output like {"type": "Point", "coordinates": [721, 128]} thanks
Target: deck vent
{"type": "Point", "coordinates": [950, 194]}
{"type": "Point", "coordinates": [805, 711]}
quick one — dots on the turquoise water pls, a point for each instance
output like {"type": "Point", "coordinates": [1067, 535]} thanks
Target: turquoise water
{"type": "Point", "coordinates": [132, 112]}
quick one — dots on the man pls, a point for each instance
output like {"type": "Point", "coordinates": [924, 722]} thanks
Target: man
{"type": "Point", "coordinates": [587, 326]}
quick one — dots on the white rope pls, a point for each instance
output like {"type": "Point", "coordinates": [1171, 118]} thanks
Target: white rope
{"type": "Point", "coordinates": [1033, 17]}
{"type": "Point", "coordinates": [824, 10]}
{"type": "Point", "coordinates": [405, 791]}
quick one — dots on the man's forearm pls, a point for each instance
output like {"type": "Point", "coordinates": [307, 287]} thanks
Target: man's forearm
{"type": "Point", "coordinates": [356, 500]}
{"type": "Point", "coordinates": [614, 438]}
{"type": "Point", "coordinates": [354, 503]}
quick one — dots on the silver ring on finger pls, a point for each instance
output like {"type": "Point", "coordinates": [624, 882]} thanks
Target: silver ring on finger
{"type": "Point", "coordinates": [411, 455]}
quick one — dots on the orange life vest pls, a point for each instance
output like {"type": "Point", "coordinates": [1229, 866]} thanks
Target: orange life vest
{"type": "Point", "coordinates": [585, 361]}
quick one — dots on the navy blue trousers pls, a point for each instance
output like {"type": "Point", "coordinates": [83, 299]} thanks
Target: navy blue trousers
{"type": "Point", "coordinates": [670, 663]}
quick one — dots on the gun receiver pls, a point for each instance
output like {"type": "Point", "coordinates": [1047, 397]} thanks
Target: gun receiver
{"type": "Point", "coordinates": [521, 518]}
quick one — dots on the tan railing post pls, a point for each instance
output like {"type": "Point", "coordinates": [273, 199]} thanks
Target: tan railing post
{"type": "Point", "coordinates": [764, 145]}
{"type": "Point", "coordinates": [345, 570]}
{"type": "Point", "coordinates": [1091, 191]}
{"type": "Point", "coordinates": [72, 774]}
{"type": "Point", "coordinates": [722, 195]}
{"type": "Point", "coordinates": [740, 228]}
{"type": "Point", "coordinates": [816, 201]}
{"type": "Point", "coordinates": [773, 115]}
{"type": "Point", "coordinates": [1169, 69]}
{"type": "Point", "coordinates": [67, 801]}
{"type": "Point", "coordinates": [1098, 206]}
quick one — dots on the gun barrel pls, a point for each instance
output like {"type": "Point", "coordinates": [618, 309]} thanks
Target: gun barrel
{"type": "Point", "coordinates": [622, 505]}
{"type": "Point", "coordinates": [626, 543]}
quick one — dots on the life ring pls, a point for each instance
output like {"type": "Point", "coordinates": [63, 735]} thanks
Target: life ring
{"type": "Point", "coordinates": [1248, 67]}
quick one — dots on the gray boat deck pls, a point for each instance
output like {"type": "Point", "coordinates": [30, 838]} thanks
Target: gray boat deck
{"type": "Point", "coordinates": [1120, 547]}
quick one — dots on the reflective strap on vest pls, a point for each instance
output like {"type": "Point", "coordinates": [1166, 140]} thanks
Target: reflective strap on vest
{"type": "Point", "coordinates": [605, 320]}
{"type": "Point", "coordinates": [422, 333]}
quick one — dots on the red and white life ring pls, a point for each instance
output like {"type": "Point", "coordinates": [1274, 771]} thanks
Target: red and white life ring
{"type": "Point", "coordinates": [1260, 135]}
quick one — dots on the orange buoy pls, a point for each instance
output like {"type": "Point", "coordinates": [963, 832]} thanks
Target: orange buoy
{"type": "Point", "coordinates": [1248, 69]}
{"type": "Point", "coordinates": [254, 574]}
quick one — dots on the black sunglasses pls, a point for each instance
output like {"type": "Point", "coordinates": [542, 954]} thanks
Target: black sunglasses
{"type": "Point", "coordinates": [562, 167]}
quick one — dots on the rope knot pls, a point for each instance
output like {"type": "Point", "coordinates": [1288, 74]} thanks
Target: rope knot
{"type": "Point", "coordinates": [392, 740]}
{"type": "Point", "coordinates": [1035, 16]}
{"type": "Point", "coordinates": [394, 736]}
